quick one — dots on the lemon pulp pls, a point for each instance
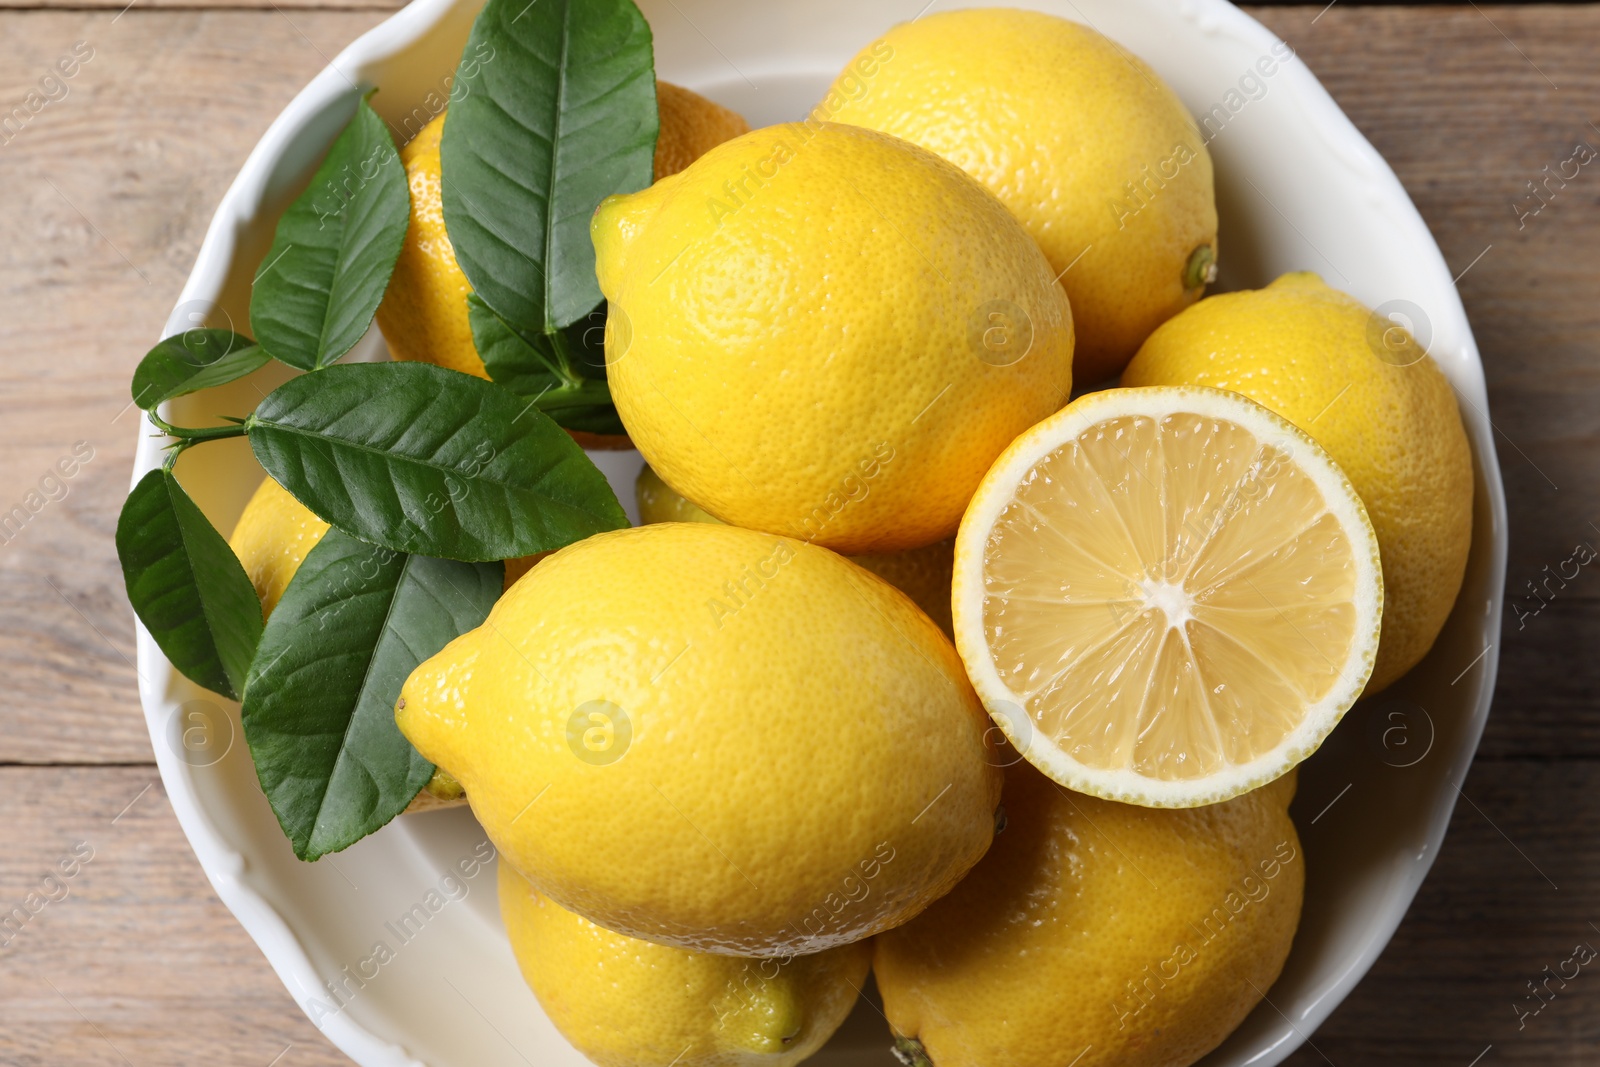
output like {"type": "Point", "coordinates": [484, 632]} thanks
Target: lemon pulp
{"type": "Point", "coordinates": [1172, 589]}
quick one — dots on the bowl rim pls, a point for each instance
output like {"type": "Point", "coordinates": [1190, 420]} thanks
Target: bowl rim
{"type": "Point", "coordinates": [224, 865]}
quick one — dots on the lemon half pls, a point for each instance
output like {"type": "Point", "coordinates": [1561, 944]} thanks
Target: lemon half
{"type": "Point", "coordinates": [1166, 596]}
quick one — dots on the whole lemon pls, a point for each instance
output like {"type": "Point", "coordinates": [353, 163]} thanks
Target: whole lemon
{"type": "Point", "coordinates": [825, 332]}
{"type": "Point", "coordinates": [424, 312]}
{"type": "Point", "coordinates": [714, 738]}
{"type": "Point", "coordinates": [1098, 934]}
{"type": "Point", "coordinates": [1079, 138]}
{"type": "Point", "coordinates": [1364, 390]}
{"type": "Point", "coordinates": [923, 574]}
{"type": "Point", "coordinates": [623, 1002]}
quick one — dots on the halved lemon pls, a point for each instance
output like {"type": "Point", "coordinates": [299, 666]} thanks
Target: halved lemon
{"type": "Point", "coordinates": [1166, 596]}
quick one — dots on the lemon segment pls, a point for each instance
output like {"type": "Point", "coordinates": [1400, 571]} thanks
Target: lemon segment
{"type": "Point", "coordinates": [1166, 596]}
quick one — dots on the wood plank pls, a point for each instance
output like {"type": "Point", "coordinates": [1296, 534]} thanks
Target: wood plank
{"type": "Point", "coordinates": [140, 961]}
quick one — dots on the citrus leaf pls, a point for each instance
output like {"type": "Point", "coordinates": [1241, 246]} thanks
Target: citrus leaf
{"type": "Point", "coordinates": [334, 249]}
{"type": "Point", "coordinates": [421, 459]}
{"type": "Point", "coordinates": [186, 585]}
{"type": "Point", "coordinates": [318, 713]}
{"type": "Point", "coordinates": [564, 117]}
{"type": "Point", "coordinates": [559, 386]}
{"type": "Point", "coordinates": [588, 343]}
{"type": "Point", "coordinates": [193, 360]}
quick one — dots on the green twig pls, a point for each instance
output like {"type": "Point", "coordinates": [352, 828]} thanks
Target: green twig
{"type": "Point", "coordinates": [194, 435]}
{"type": "Point", "coordinates": [580, 393]}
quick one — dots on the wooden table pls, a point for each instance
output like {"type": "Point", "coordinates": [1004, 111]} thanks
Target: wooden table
{"type": "Point", "coordinates": [104, 196]}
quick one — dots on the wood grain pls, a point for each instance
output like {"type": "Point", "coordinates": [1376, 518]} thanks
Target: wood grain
{"type": "Point", "coordinates": [108, 191]}
{"type": "Point", "coordinates": [108, 195]}
{"type": "Point", "coordinates": [138, 963]}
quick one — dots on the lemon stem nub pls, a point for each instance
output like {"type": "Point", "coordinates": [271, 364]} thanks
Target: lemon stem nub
{"type": "Point", "coordinates": [909, 1051]}
{"type": "Point", "coordinates": [1201, 269]}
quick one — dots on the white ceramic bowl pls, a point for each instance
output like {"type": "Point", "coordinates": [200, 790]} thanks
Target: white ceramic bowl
{"type": "Point", "coordinates": [400, 957]}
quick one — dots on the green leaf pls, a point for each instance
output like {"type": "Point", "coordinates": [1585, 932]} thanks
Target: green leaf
{"type": "Point", "coordinates": [543, 371]}
{"type": "Point", "coordinates": [422, 459]}
{"type": "Point", "coordinates": [587, 343]}
{"type": "Point", "coordinates": [193, 360]}
{"type": "Point", "coordinates": [319, 705]}
{"type": "Point", "coordinates": [186, 585]}
{"type": "Point", "coordinates": [334, 249]}
{"type": "Point", "coordinates": [564, 117]}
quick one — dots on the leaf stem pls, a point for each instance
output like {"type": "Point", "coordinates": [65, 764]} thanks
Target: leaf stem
{"type": "Point", "coordinates": [194, 435]}
{"type": "Point", "coordinates": [909, 1051]}
{"type": "Point", "coordinates": [575, 393]}
{"type": "Point", "coordinates": [563, 354]}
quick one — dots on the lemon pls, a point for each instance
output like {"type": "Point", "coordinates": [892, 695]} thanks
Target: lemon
{"type": "Point", "coordinates": [659, 502]}
{"type": "Point", "coordinates": [1097, 934]}
{"type": "Point", "coordinates": [424, 313]}
{"type": "Point", "coordinates": [1370, 395]}
{"type": "Point", "coordinates": [923, 574]}
{"type": "Point", "coordinates": [623, 1002]}
{"type": "Point", "coordinates": [1082, 141]}
{"type": "Point", "coordinates": [1166, 596]}
{"type": "Point", "coordinates": [691, 126]}
{"type": "Point", "coordinates": [271, 539]}
{"type": "Point", "coordinates": [824, 332]}
{"type": "Point", "coordinates": [714, 738]}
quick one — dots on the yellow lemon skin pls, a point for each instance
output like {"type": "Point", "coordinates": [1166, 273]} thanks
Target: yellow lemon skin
{"type": "Point", "coordinates": [1099, 934]}
{"type": "Point", "coordinates": [424, 312]}
{"type": "Point", "coordinates": [827, 333]}
{"type": "Point", "coordinates": [1084, 143]}
{"type": "Point", "coordinates": [623, 1002]}
{"type": "Point", "coordinates": [423, 316]}
{"type": "Point", "coordinates": [691, 126]}
{"type": "Point", "coordinates": [1367, 393]}
{"type": "Point", "coordinates": [923, 574]}
{"type": "Point", "coordinates": [659, 502]}
{"type": "Point", "coordinates": [272, 537]}
{"type": "Point", "coordinates": [714, 738]}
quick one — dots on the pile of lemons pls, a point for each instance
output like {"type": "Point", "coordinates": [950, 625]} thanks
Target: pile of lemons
{"type": "Point", "coordinates": [920, 665]}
